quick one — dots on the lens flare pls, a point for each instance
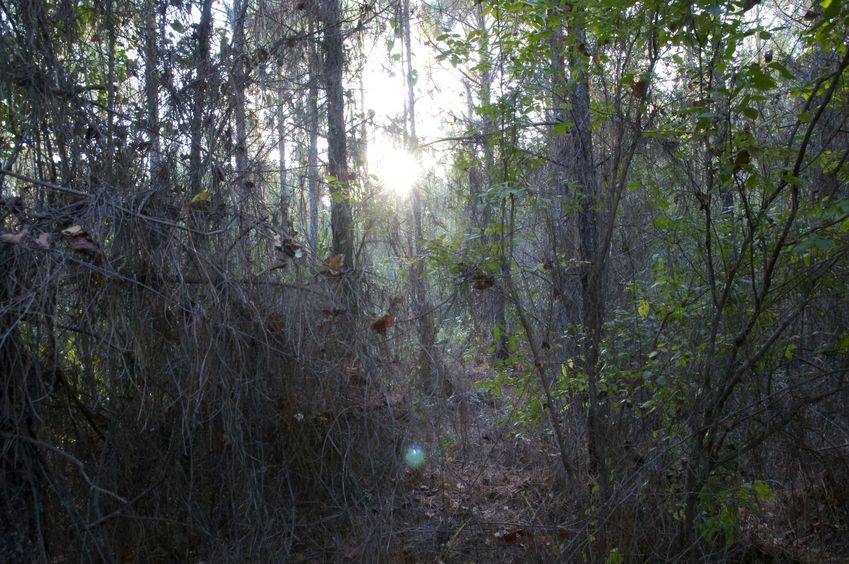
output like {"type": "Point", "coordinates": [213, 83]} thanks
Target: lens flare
{"type": "Point", "coordinates": [414, 457]}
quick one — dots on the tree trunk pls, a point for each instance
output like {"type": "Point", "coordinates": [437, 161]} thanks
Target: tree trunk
{"type": "Point", "coordinates": [430, 373]}
{"type": "Point", "coordinates": [199, 104]}
{"type": "Point", "coordinates": [238, 85]}
{"type": "Point", "coordinates": [313, 185]}
{"type": "Point", "coordinates": [151, 89]}
{"type": "Point", "coordinates": [285, 198]}
{"type": "Point", "coordinates": [341, 222]}
{"type": "Point", "coordinates": [582, 174]}
{"type": "Point", "coordinates": [499, 312]}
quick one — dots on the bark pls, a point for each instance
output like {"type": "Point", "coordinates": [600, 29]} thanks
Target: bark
{"type": "Point", "coordinates": [199, 104]}
{"type": "Point", "coordinates": [499, 312]}
{"type": "Point", "coordinates": [430, 373]}
{"type": "Point", "coordinates": [285, 197]}
{"type": "Point", "coordinates": [582, 173]}
{"type": "Point", "coordinates": [239, 83]}
{"type": "Point", "coordinates": [151, 88]}
{"type": "Point", "coordinates": [341, 222]}
{"type": "Point", "coordinates": [561, 222]}
{"type": "Point", "coordinates": [313, 186]}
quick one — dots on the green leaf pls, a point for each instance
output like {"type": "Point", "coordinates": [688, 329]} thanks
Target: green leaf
{"type": "Point", "coordinates": [788, 351]}
{"type": "Point", "coordinates": [643, 308]}
{"type": "Point", "coordinates": [762, 489]}
{"type": "Point", "coordinates": [782, 70]}
{"type": "Point", "coordinates": [750, 112]}
{"type": "Point", "coordinates": [561, 129]}
{"type": "Point", "coordinates": [843, 343]}
{"type": "Point", "coordinates": [200, 199]}
{"type": "Point", "coordinates": [831, 8]}
{"type": "Point", "coordinates": [760, 79]}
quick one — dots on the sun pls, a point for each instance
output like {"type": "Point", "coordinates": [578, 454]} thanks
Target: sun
{"type": "Point", "coordinates": [396, 170]}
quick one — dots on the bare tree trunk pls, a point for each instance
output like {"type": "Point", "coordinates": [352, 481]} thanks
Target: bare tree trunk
{"type": "Point", "coordinates": [239, 83]}
{"type": "Point", "coordinates": [583, 174]}
{"type": "Point", "coordinates": [203, 72]}
{"type": "Point", "coordinates": [312, 151]}
{"type": "Point", "coordinates": [429, 369]}
{"type": "Point", "coordinates": [562, 244]}
{"type": "Point", "coordinates": [285, 197]}
{"type": "Point", "coordinates": [151, 88]}
{"type": "Point", "coordinates": [499, 312]}
{"type": "Point", "coordinates": [341, 222]}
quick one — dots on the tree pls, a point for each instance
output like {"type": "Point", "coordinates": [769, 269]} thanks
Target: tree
{"type": "Point", "coordinates": [341, 222]}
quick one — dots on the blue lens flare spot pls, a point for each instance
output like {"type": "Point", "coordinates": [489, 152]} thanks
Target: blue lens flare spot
{"type": "Point", "coordinates": [414, 457]}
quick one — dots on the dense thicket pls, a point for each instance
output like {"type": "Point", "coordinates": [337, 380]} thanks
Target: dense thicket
{"type": "Point", "coordinates": [614, 317]}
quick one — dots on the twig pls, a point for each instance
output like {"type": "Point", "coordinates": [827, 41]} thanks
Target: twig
{"type": "Point", "coordinates": [75, 461]}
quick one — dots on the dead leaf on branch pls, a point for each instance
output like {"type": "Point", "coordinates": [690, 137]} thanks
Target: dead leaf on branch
{"type": "Point", "coordinates": [334, 265]}
{"type": "Point", "coordinates": [81, 243]}
{"type": "Point", "coordinates": [288, 246]}
{"type": "Point", "coordinates": [383, 323]}
{"type": "Point", "coordinates": [639, 87]}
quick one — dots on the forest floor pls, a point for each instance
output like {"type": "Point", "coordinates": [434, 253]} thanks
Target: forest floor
{"type": "Point", "coordinates": [497, 496]}
{"type": "Point", "coordinates": [488, 500]}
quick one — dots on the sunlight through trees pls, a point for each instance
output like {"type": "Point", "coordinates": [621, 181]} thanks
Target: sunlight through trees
{"type": "Point", "coordinates": [407, 281]}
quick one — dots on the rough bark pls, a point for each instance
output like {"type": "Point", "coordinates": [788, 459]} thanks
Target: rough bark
{"type": "Point", "coordinates": [285, 197]}
{"type": "Point", "coordinates": [151, 88]}
{"type": "Point", "coordinates": [313, 186]}
{"type": "Point", "coordinates": [583, 182]}
{"type": "Point", "coordinates": [341, 222]}
{"type": "Point", "coordinates": [239, 84]}
{"type": "Point", "coordinates": [199, 104]}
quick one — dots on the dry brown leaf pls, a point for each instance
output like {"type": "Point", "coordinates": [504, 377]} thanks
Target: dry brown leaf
{"type": "Point", "coordinates": [513, 534]}
{"type": "Point", "coordinates": [639, 87]}
{"type": "Point", "coordinates": [335, 264]}
{"type": "Point", "coordinates": [383, 323]}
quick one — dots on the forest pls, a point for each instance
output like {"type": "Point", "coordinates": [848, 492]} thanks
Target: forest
{"type": "Point", "coordinates": [422, 281]}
